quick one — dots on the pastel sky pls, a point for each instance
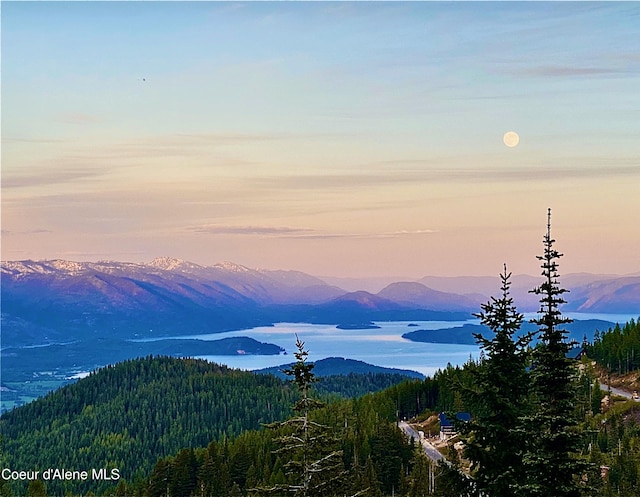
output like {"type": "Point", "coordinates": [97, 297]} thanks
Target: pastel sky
{"type": "Point", "coordinates": [344, 139]}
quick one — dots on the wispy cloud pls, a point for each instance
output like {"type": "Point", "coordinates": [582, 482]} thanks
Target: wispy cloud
{"type": "Point", "coordinates": [76, 162]}
{"type": "Point", "coordinates": [363, 235]}
{"type": "Point", "coordinates": [551, 172]}
{"type": "Point", "coordinates": [247, 230]}
{"type": "Point", "coordinates": [99, 256]}
{"type": "Point", "coordinates": [45, 177]}
{"type": "Point", "coordinates": [409, 233]}
{"type": "Point", "coordinates": [414, 172]}
{"type": "Point", "coordinates": [78, 118]}
{"type": "Point", "coordinates": [25, 232]}
{"type": "Point", "coordinates": [175, 145]}
{"type": "Point", "coordinates": [301, 233]}
{"type": "Point", "coordinates": [12, 139]}
{"type": "Point", "coordinates": [560, 71]}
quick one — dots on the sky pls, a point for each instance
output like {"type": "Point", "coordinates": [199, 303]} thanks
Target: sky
{"type": "Point", "coordinates": [341, 139]}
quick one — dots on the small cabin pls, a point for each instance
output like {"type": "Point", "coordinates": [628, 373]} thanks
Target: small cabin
{"type": "Point", "coordinates": [447, 429]}
{"type": "Point", "coordinates": [576, 353]}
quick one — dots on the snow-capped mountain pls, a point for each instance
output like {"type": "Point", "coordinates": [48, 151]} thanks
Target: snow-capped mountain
{"type": "Point", "coordinates": [262, 286]}
{"type": "Point", "coordinates": [45, 301]}
{"type": "Point", "coordinates": [173, 264]}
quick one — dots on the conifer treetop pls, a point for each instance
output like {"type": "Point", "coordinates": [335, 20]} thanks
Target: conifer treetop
{"type": "Point", "coordinates": [303, 377]}
{"type": "Point", "coordinates": [550, 290]}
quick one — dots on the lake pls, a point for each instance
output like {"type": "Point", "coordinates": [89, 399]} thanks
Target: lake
{"type": "Point", "coordinates": [382, 347]}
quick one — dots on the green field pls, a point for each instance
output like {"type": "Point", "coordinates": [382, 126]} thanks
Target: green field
{"type": "Point", "coordinates": [18, 393]}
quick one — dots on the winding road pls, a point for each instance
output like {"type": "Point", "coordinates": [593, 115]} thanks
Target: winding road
{"type": "Point", "coordinates": [617, 391]}
{"type": "Point", "coordinates": [429, 449]}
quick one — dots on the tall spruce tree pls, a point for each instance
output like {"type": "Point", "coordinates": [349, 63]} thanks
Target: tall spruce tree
{"type": "Point", "coordinates": [314, 465]}
{"type": "Point", "coordinates": [493, 438]}
{"type": "Point", "coordinates": [554, 440]}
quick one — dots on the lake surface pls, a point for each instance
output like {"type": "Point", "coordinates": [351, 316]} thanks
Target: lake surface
{"type": "Point", "coordinates": [381, 347]}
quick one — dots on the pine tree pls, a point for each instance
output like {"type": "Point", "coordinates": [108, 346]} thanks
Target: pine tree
{"type": "Point", "coordinates": [184, 473]}
{"type": "Point", "coordinates": [365, 481]}
{"type": "Point", "coordinates": [36, 488]}
{"type": "Point", "coordinates": [450, 480]}
{"type": "Point", "coordinates": [420, 482]}
{"type": "Point", "coordinates": [389, 450]}
{"type": "Point", "coordinates": [4, 489]}
{"type": "Point", "coordinates": [235, 491]}
{"type": "Point", "coordinates": [313, 464]}
{"type": "Point", "coordinates": [553, 436]}
{"type": "Point", "coordinates": [160, 478]}
{"type": "Point", "coordinates": [493, 438]}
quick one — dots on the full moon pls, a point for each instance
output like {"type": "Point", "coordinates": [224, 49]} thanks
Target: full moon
{"type": "Point", "coordinates": [511, 139]}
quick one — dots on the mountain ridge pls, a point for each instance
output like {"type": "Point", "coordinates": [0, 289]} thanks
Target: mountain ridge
{"type": "Point", "coordinates": [52, 300]}
{"type": "Point", "coordinates": [109, 295]}
{"type": "Point", "coordinates": [341, 366]}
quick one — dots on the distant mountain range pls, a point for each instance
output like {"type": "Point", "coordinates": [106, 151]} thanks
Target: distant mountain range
{"type": "Point", "coordinates": [57, 300]}
{"type": "Point", "coordinates": [589, 293]}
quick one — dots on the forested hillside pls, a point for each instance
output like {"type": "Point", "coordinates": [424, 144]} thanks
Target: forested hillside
{"type": "Point", "coordinates": [375, 457]}
{"type": "Point", "coordinates": [128, 415]}
{"type": "Point", "coordinates": [618, 348]}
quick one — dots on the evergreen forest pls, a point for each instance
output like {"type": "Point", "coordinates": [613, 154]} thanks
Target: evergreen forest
{"type": "Point", "coordinates": [617, 349]}
{"type": "Point", "coordinates": [128, 415]}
